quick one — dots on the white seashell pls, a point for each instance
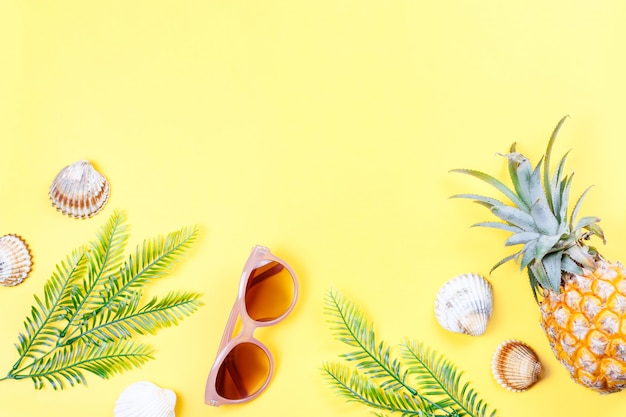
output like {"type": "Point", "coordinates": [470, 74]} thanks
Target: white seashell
{"type": "Point", "coordinates": [145, 399]}
{"type": "Point", "coordinates": [516, 366]}
{"type": "Point", "coordinates": [79, 190]}
{"type": "Point", "coordinates": [464, 304]}
{"type": "Point", "coordinates": [15, 260]}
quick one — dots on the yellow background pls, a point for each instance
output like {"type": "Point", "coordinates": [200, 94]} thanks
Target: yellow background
{"type": "Point", "coordinates": [324, 130]}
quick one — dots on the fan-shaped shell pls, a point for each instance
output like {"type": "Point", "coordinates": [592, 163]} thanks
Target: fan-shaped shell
{"type": "Point", "coordinates": [145, 399]}
{"type": "Point", "coordinates": [516, 366]}
{"type": "Point", "coordinates": [15, 260]}
{"type": "Point", "coordinates": [79, 190]}
{"type": "Point", "coordinates": [464, 304]}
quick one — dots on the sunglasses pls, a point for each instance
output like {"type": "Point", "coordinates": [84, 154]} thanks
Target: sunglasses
{"type": "Point", "coordinates": [244, 366]}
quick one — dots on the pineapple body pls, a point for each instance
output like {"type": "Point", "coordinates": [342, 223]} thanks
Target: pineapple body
{"type": "Point", "coordinates": [586, 326]}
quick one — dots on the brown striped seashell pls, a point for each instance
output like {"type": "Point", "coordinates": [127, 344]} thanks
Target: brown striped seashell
{"type": "Point", "coordinates": [464, 304]}
{"type": "Point", "coordinates": [79, 190]}
{"type": "Point", "coordinates": [15, 260]}
{"type": "Point", "coordinates": [516, 366]}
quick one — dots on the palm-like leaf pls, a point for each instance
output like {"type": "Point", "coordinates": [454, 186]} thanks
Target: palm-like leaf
{"type": "Point", "coordinates": [379, 381]}
{"type": "Point", "coordinates": [354, 386]}
{"type": "Point", "coordinates": [66, 364]}
{"type": "Point", "coordinates": [351, 327]}
{"type": "Point", "coordinates": [437, 376]}
{"type": "Point", "coordinates": [152, 260]}
{"type": "Point", "coordinates": [41, 326]}
{"type": "Point", "coordinates": [129, 319]}
{"type": "Point", "coordinates": [103, 259]}
{"type": "Point", "coordinates": [92, 306]}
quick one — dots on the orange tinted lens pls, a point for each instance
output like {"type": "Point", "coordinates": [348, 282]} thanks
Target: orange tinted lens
{"type": "Point", "coordinates": [243, 372]}
{"type": "Point", "coordinates": [270, 291]}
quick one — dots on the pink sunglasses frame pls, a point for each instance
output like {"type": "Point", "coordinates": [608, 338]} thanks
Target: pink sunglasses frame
{"type": "Point", "coordinates": [248, 325]}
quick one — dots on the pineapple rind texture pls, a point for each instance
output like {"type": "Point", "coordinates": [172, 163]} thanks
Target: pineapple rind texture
{"type": "Point", "coordinates": [586, 326]}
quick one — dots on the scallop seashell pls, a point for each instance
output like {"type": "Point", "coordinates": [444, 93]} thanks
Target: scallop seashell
{"type": "Point", "coordinates": [15, 260]}
{"type": "Point", "coordinates": [79, 190]}
{"type": "Point", "coordinates": [516, 366]}
{"type": "Point", "coordinates": [145, 399]}
{"type": "Point", "coordinates": [464, 304]}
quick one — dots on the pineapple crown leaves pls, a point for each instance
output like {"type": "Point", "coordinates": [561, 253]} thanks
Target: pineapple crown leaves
{"type": "Point", "coordinates": [552, 242]}
{"type": "Point", "coordinates": [382, 382]}
{"type": "Point", "coordinates": [92, 306]}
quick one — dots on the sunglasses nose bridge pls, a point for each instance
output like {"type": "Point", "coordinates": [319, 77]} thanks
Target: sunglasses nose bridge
{"type": "Point", "coordinates": [248, 326]}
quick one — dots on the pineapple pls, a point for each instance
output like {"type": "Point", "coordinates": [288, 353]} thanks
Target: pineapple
{"type": "Point", "coordinates": [581, 295]}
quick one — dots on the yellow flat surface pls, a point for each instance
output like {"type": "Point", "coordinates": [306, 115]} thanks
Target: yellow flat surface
{"type": "Point", "coordinates": [324, 130]}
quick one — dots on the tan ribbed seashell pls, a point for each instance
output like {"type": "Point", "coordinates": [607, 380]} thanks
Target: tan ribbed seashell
{"type": "Point", "coordinates": [145, 399]}
{"type": "Point", "coordinates": [15, 260]}
{"type": "Point", "coordinates": [464, 304]}
{"type": "Point", "coordinates": [79, 190]}
{"type": "Point", "coordinates": [516, 366]}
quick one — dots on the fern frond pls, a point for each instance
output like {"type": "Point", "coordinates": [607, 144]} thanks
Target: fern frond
{"type": "Point", "coordinates": [437, 376]}
{"type": "Point", "coordinates": [107, 251]}
{"type": "Point", "coordinates": [352, 328]}
{"type": "Point", "coordinates": [152, 260]}
{"type": "Point", "coordinates": [103, 259]}
{"type": "Point", "coordinates": [67, 365]}
{"type": "Point", "coordinates": [41, 327]}
{"type": "Point", "coordinates": [353, 386]}
{"type": "Point", "coordinates": [129, 319]}
{"type": "Point", "coordinates": [84, 319]}
{"type": "Point", "coordinates": [378, 381]}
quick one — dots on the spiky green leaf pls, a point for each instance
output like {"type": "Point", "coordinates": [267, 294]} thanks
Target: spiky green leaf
{"type": "Point", "coordinates": [552, 266]}
{"type": "Point", "coordinates": [499, 185]}
{"type": "Point", "coordinates": [544, 245]}
{"type": "Point", "coordinates": [569, 266]}
{"type": "Point", "coordinates": [548, 156]}
{"type": "Point", "coordinates": [515, 216]}
{"type": "Point", "coordinates": [498, 225]}
{"type": "Point", "coordinates": [503, 261]}
{"type": "Point", "coordinates": [483, 200]}
{"type": "Point", "coordinates": [520, 171]}
{"type": "Point", "coordinates": [521, 238]}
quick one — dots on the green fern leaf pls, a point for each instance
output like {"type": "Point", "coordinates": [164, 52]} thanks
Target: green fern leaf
{"type": "Point", "coordinates": [437, 376]}
{"type": "Point", "coordinates": [351, 327]}
{"type": "Point", "coordinates": [85, 317]}
{"type": "Point", "coordinates": [66, 365]}
{"type": "Point", "coordinates": [107, 251]}
{"type": "Point", "coordinates": [41, 326]}
{"type": "Point", "coordinates": [355, 387]}
{"type": "Point", "coordinates": [103, 258]}
{"type": "Point", "coordinates": [378, 380]}
{"type": "Point", "coordinates": [152, 260]}
{"type": "Point", "coordinates": [129, 319]}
